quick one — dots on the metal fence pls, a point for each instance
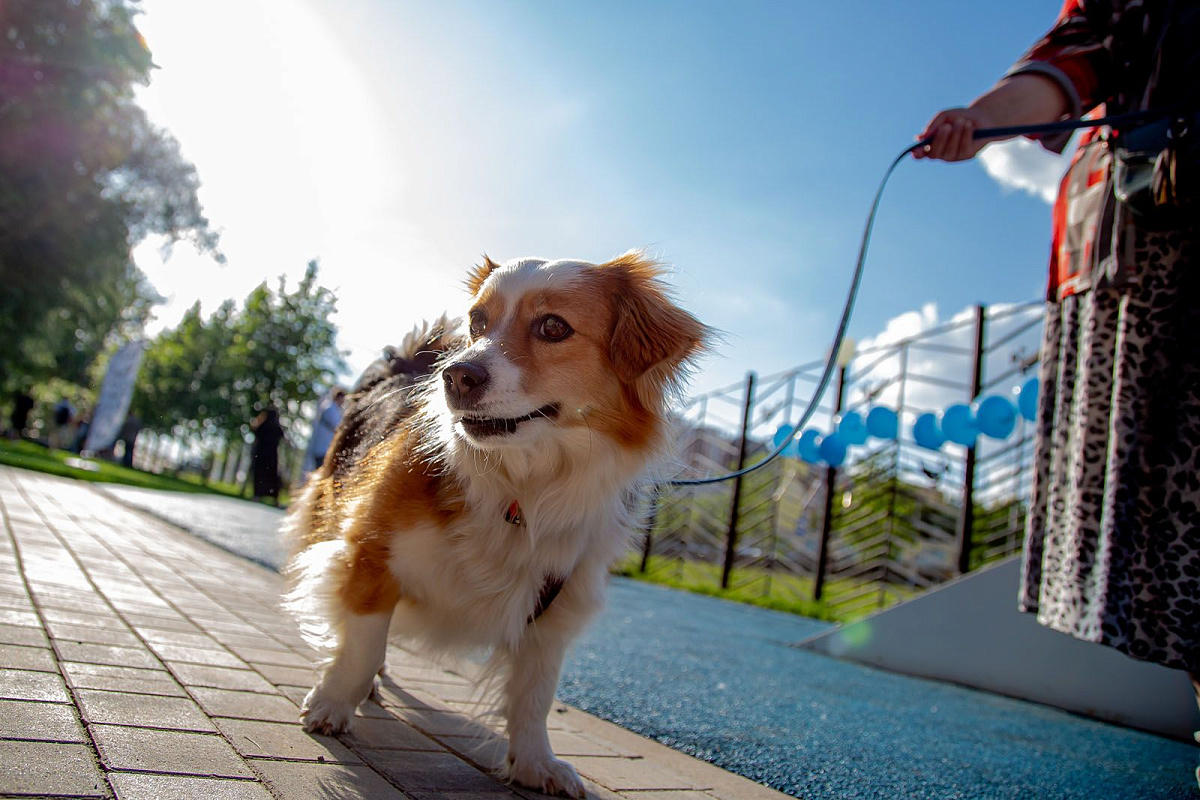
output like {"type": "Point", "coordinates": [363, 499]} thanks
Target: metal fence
{"type": "Point", "coordinates": [894, 519]}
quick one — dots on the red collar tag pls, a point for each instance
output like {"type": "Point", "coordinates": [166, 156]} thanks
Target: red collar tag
{"type": "Point", "coordinates": [513, 515]}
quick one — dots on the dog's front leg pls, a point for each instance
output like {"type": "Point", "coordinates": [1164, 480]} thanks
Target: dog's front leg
{"type": "Point", "coordinates": [529, 692]}
{"type": "Point", "coordinates": [349, 677]}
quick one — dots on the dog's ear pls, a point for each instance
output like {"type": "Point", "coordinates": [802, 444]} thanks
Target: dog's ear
{"type": "Point", "coordinates": [652, 338]}
{"type": "Point", "coordinates": [479, 273]}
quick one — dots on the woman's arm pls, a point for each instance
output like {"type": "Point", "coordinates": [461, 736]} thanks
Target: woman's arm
{"type": "Point", "coordinates": [1024, 99]}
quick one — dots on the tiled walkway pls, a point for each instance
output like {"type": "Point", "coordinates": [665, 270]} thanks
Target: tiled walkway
{"type": "Point", "coordinates": [139, 662]}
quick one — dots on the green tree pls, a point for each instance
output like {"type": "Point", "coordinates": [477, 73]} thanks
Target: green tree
{"type": "Point", "coordinates": [183, 387]}
{"type": "Point", "coordinates": [284, 348]}
{"type": "Point", "coordinates": [207, 378]}
{"type": "Point", "coordinates": [84, 176]}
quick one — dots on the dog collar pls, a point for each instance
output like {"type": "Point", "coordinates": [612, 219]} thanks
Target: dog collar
{"type": "Point", "coordinates": [513, 514]}
{"type": "Point", "coordinates": [550, 589]}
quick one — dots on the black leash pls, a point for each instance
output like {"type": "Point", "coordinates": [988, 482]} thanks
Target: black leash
{"type": "Point", "coordinates": [1116, 121]}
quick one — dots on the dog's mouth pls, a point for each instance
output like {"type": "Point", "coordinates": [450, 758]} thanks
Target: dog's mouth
{"type": "Point", "coordinates": [481, 427]}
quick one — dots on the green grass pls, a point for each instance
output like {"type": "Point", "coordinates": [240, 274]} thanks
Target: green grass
{"type": "Point", "coordinates": [58, 462]}
{"type": "Point", "coordinates": [756, 586]}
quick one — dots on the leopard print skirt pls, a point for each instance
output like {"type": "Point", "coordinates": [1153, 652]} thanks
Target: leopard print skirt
{"type": "Point", "coordinates": [1112, 548]}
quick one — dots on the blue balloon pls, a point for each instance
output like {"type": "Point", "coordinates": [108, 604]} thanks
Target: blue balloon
{"type": "Point", "coordinates": [833, 449]}
{"type": "Point", "coordinates": [996, 416]}
{"type": "Point", "coordinates": [958, 423]}
{"type": "Point", "coordinates": [809, 446]}
{"type": "Point", "coordinates": [926, 432]}
{"type": "Point", "coordinates": [852, 428]}
{"type": "Point", "coordinates": [882, 423]}
{"type": "Point", "coordinates": [1027, 399]}
{"type": "Point", "coordinates": [780, 436]}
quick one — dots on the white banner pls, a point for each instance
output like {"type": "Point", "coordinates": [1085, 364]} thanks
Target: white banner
{"type": "Point", "coordinates": [115, 393]}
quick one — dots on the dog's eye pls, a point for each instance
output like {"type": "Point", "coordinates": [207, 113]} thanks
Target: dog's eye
{"type": "Point", "coordinates": [554, 329]}
{"type": "Point", "coordinates": [479, 322]}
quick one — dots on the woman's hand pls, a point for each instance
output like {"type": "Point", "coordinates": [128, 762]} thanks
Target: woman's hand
{"type": "Point", "coordinates": [952, 134]}
{"type": "Point", "coordinates": [1023, 99]}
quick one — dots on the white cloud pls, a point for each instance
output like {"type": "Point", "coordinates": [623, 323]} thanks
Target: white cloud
{"type": "Point", "coordinates": [1022, 164]}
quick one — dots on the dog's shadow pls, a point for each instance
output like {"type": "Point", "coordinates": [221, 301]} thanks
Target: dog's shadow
{"type": "Point", "coordinates": [466, 735]}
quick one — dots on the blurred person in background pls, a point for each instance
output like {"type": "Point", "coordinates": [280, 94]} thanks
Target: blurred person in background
{"type": "Point", "coordinates": [264, 455]}
{"type": "Point", "coordinates": [329, 416]}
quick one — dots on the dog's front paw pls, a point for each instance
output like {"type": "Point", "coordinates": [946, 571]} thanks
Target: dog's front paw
{"type": "Point", "coordinates": [548, 775]}
{"type": "Point", "coordinates": [323, 713]}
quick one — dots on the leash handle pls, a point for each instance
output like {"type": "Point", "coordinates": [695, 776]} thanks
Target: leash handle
{"type": "Point", "coordinates": [1114, 120]}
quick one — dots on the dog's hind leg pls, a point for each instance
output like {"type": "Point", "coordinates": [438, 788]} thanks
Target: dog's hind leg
{"type": "Point", "coordinates": [350, 677]}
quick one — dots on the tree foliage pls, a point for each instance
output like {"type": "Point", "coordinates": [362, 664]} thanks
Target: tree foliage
{"type": "Point", "coordinates": [209, 377]}
{"type": "Point", "coordinates": [84, 176]}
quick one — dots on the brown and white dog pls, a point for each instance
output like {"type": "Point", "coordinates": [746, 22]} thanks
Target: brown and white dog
{"type": "Point", "coordinates": [479, 487]}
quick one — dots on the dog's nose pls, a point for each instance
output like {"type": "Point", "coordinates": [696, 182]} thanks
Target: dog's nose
{"type": "Point", "coordinates": [465, 380]}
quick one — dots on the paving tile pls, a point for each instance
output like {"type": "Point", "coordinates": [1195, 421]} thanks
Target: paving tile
{"type": "Point", "coordinates": [197, 655]}
{"type": "Point", "coordinates": [122, 679]}
{"type": "Point", "coordinates": [105, 619]}
{"type": "Point", "coordinates": [369, 708]}
{"type": "Point", "coordinates": [441, 723]}
{"type": "Point", "coordinates": [18, 657]}
{"type": "Point", "coordinates": [294, 693]}
{"type": "Point", "coordinates": [143, 603]}
{"type": "Point", "coordinates": [161, 623]}
{"type": "Point", "coordinates": [669, 795]}
{"type": "Point", "coordinates": [147, 750]}
{"type": "Point", "coordinates": [181, 638]}
{"type": "Point", "coordinates": [435, 794]}
{"type": "Point", "coordinates": [243, 680]}
{"type": "Point", "coordinates": [394, 697]}
{"type": "Point", "coordinates": [388, 734]}
{"type": "Point", "coordinates": [297, 780]}
{"type": "Point", "coordinates": [20, 634]}
{"type": "Point", "coordinates": [620, 774]}
{"type": "Point", "coordinates": [485, 752]}
{"type": "Point", "coordinates": [464, 693]}
{"type": "Point", "coordinates": [151, 711]}
{"type": "Point", "coordinates": [93, 635]}
{"type": "Point", "coordinates": [404, 672]}
{"type": "Point", "coordinates": [47, 769]}
{"type": "Point", "coordinates": [257, 739]}
{"type": "Point", "coordinates": [287, 676]}
{"type": "Point", "coordinates": [19, 684]}
{"type": "Point", "coordinates": [106, 654]}
{"type": "Point", "coordinates": [8, 567]}
{"type": "Point", "coordinates": [260, 655]}
{"type": "Point", "coordinates": [225, 623]}
{"type": "Point", "coordinates": [15, 602]}
{"type": "Point", "coordinates": [48, 722]}
{"type": "Point", "coordinates": [246, 705]}
{"type": "Point", "coordinates": [131, 786]}
{"type": "Point", "coordinates": [442, 771]}
{"type": "Point", "coordinates": [570, 743]}
{"type": "Point", "coordinates": [255, 639]}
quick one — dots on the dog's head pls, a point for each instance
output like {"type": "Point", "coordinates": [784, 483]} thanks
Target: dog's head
{"type": "Point", "coordinates": [555, 348]}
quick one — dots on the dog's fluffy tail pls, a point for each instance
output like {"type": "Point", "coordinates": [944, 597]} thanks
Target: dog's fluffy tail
{"type": "Point", "coordinates": [312, 595]}
{"type": "Point", "coordinates": [415, 356]}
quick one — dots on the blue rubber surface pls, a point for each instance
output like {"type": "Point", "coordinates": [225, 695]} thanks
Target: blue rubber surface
{"type": "Point", "coordinates": [718, 680]}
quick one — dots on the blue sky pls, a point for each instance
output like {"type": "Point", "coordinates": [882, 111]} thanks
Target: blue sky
{"type": "Point", "coordinates": [739, 142]}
